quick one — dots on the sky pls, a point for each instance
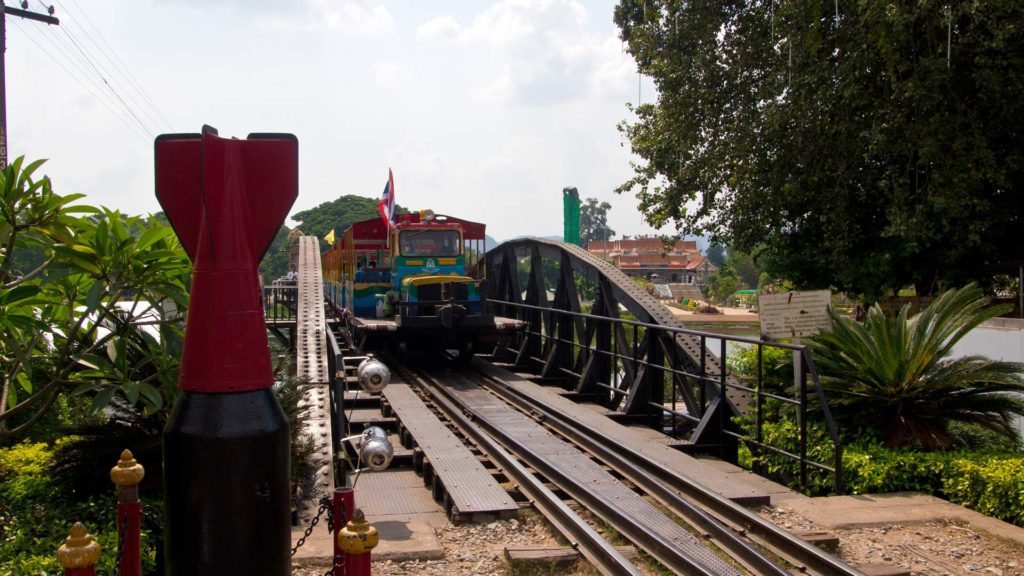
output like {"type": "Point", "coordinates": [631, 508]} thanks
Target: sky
{"type": "Point", "coordinates": [483, 110]}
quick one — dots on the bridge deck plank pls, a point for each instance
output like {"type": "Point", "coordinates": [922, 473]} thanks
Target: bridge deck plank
{"type": "Point", "coordinates": [473, 490]}
{"type": "Point", "coordinates": [731, 482]}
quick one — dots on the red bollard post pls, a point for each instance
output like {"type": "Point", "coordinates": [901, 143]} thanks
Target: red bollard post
{"type": "Point", "coordinates": [126, 475]}
{"type": "Point", "coordinates": [343, 505]}
{"type": "Point", "coordinates": [79, 553]}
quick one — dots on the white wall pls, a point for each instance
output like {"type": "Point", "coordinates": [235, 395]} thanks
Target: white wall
{"type": "Point", "coordinates": [999, 339]}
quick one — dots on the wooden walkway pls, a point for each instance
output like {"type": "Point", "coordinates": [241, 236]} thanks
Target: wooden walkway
{"type": "Point", "coordinates": [454, 473]}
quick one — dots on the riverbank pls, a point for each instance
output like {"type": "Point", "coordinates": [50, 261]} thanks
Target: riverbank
{"type": "Point", "coordinates": [744, 317]}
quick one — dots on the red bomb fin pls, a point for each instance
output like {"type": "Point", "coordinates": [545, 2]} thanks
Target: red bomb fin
{"type": "Point", "coordinates": [179, 185]}
{"type": "Point", "coordinates": [272, 174]}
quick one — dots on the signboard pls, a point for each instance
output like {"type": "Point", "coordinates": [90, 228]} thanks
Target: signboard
{"type": "Point", "coordinates": [794, 314]}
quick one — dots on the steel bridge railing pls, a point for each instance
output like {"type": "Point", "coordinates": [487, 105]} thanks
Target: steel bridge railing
{"type": "Point", "coordinates": [681, 417]}
{"type": "Point", "coordinates": [281, 303]}
{"type": "Point", "coordinates": [336, 397]}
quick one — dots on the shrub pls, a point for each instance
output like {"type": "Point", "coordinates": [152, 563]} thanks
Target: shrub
{"type": "Point", "coordinates": [895, 374]}
{"type": "Point", "coordinates": [993, 486]}
{"type": "Point", "coordinates": [35, 516]}
{"type": "Point", "coordinates": [990, 482]}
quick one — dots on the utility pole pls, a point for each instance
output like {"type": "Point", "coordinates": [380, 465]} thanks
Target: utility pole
{"type": "Point", "coordinates": [21, 13]}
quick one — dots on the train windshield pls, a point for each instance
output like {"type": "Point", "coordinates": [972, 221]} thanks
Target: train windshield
{"type": "Point", "coordinates": [432, 243]}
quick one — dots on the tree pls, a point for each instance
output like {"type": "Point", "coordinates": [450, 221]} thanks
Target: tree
{"type": "Point", "coordinates": [864, 147]}
{"type": "Point", "coordinates": [74, 324]}
{"type": "Point", "coordinates": [716, 254]}
{"type": "Point", "coordinates": [722, 284]}
{"type": "Point", "coordinates": [745, 267]}
{"type": "Point", "coordinates": [338, 215]}
{"type": "Point", "coordinates": [894, 375]}
{"type": "Point", "coordinates": [275, 262]}
{"type": "Point", "coordinates": [594, 221]}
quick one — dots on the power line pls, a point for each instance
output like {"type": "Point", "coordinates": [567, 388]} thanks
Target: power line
{"type": "Point", "coordinates": [4, 11]}
{"type": "Point", "coordinates": [119, 65]}
{"type": "Point", "coordinates": [112, 71]}
{"type": "Point", "coordinates": [112, 109]}
{"type": "Point", "coordinates": [102, 77]}
{"type": "Point", "coordinates": [79, 63]}
{"type": "Point", "coordinates": [65, 49]}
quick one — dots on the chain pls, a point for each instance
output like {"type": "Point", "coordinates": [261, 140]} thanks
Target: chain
{"type": "Point", "coordinates": [150, 512]}
{"type": "Point", "coordinates": [325, 506]}
{"type": "Point", "coordinates": [338, 565]}
{"type": "Point", "coordinates": [120, 545]}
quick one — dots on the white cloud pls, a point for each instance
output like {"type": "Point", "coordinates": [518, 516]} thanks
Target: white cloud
{"type": "Point", "coordinates": [352, 17]}
{"type": "Point", "coordinates": [615, 71]}
{"type": "Point", "coordinates": [386, 74]}
{"type": "Point", "coordinates": [441, 28]}
{"type": "Point", "coordinates": [549, 53]}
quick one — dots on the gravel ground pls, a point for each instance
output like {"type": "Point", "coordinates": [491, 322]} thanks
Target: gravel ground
{"type": "Point", "coordinates": [937, 548]}
{"type": "Point", "coordinates": [926, 549]}
{"type": "Point", "coordinates": [474, 550]}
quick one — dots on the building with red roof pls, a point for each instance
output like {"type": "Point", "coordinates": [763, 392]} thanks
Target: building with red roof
{"type": "Point", "coordinates": [648, 257]}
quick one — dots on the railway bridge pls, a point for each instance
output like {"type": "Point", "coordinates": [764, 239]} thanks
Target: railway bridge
{"type": "Point", "coordinates": [605, 402]}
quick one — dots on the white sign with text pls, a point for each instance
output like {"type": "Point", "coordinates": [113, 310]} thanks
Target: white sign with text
{"type": "Point", "coordinates": [794, 314]}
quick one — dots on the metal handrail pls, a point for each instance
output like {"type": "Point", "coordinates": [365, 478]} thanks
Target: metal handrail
{"type": "Point", "coordinates": [336, 394]}
{"type": "Point", "coordinates": [720, 382]}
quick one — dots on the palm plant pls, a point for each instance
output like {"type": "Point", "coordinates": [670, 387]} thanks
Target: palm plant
{"type": "Point", "coordinates": [893, 377]}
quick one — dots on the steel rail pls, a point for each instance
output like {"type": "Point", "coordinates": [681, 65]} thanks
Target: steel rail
{"type": "Point", "coordinates": [726, 537]}
{"type": "Point", "coordinates": [598, 551]}
{"type": "Point", "coordinates": [666, 485]}
{"type": "Point", "coordinates": [658, 546]}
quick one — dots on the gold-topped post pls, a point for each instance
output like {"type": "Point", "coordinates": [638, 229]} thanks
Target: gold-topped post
{"type": "Point", "coordinates": [126, 475]}
{"type": "Point", "coordinates": [79, 552]}
{"type": "Point", "coordinates": [356, 540]}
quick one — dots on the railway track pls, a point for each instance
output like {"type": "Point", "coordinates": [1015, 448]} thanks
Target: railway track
{"type": "Point", "coordinates": [691, 531]}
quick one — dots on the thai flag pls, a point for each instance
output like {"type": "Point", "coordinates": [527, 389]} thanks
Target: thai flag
{"type": "Point", "coordinates": [386, 206]}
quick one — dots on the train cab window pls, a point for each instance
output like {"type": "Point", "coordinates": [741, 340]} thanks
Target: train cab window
{"type": "Point", "coordinates": [429, 243]}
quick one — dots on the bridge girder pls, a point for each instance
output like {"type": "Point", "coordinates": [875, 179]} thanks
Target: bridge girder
{"type": "Point", "coordinates": [696, 371]}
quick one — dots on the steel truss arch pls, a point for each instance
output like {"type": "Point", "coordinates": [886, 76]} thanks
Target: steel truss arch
{"type": "Point", "coordinates": [582, 348]}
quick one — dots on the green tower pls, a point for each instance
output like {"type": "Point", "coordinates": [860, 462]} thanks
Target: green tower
{"type": "Point", "coordinates": [571, 212]}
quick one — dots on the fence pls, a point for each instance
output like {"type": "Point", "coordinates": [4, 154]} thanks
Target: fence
{"type": "Point", "coordinates": [666, 377]}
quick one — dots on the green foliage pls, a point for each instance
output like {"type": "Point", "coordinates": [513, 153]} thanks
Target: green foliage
{"type": "Point", "coordinates": [594, 221]}
{"type": "Point", "coordinates": [746, 269]}
{"type": "Point", "coordinates": [990, 482]}
{"type": "Point", "coordinates": [776, 367]}
{"type": "Point", "coordinates": [894, 375]}
{"type": "Point", "coordinates": [721, 285]}
{"type": "Point", "coordinates": [872, 469]}
{"type": "Point", "coordinates": [716, 254]}
{"type": "Point", "coordinates": [851, 142]}
{"type": "Point", "coordinates": [781, 431]}
{"type": "Point", "coordinates": [36, 515]}
{"type": "Point", "coordinates": [338, 215]}
{"type": "Point", "coordinates": [275, 262]}
{"type": "Point", "coordinates": [72, 325]}
{"type": "Point", "coordinates": [994, 487]}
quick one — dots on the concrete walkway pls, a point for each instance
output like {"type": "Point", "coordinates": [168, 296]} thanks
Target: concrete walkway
{"type": "Point", "coordinates": [904, 508]}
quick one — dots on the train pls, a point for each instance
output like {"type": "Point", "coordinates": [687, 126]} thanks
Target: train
{"type": "Point", "coordinates": [414, 282]}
